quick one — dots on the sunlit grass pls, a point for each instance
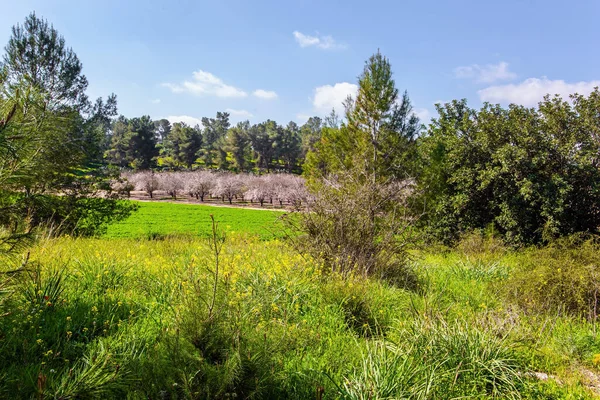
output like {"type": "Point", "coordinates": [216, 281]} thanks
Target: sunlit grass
{"type": "Point", "coordinates": [156, 220]}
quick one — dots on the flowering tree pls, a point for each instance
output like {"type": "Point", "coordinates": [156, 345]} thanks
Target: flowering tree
{"type": "Point", "coordinates": [200, 183]}
{"type": "Point", "coordinates": [146, 181]}
{"type": "Point", "coordinates": [228, 186]}
{"type": "Point", "coordinates": [259, 188]}
{"type": "Point", "coordinates": [295, 191]}
{"type": "Point", "coordinates": [124, 184]}
{"type": "Point", "coordinates": [171, 182]}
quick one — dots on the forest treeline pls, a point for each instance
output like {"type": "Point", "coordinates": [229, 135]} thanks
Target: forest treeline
{"type": "Point", "coordinates": [141, 143]}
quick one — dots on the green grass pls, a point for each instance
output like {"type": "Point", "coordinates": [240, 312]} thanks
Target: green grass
{"type": "Point", "coordinates": [131, 318]}
{"type": "Point", "coordinates": [155, 220]}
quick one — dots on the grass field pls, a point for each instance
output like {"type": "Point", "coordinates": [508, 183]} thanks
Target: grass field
{"type": "Point", "coordinates": [154, 219]}
{"type": "Point", "coordinates": [140, 318]}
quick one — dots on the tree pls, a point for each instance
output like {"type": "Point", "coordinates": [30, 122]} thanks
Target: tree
{"type": "Point", "coordinates": [69, 133]}
{"type": "Point", "coordinates": [357, 221]}
{"type": "Point", "coordinates": [238, 144]}
{"type": "Point", "coordinates": [37, 57]}
{"type": "Point", "coordinates": [259, 188]}
{"type": "Point", "coordinates": [117, 153]}
{"type": "Point", "coordinates": [200, 183]}
{"type": "Point", "coordinates": [146, 181]}
{"type": "Point", "coordinates": [382, 122]}
{"type": "Point", "coordinates": [215, 130]}
{"type": "Point", "coordinates": [531, 174]}
{"type": "Point", "coordinates": [162, 129]}
{"type": "Point", "coordinates": [287, 146]}
{"type": "Point", "coordinates": [37, 54]}
{"type": "Point", "coordinates": [171, 182]}
{"type": "Point", "coordinates": [262, 138]}
{"type": "Point", "coordinates": [228, 186]}
{"type": "Point", "coordinates": [183, 144]}
{"type": "Point", "coordinates": [142, 143]}
{"type": "Point", "coordinates": [133, 143]}
{"type": "Point", "coordinates": [310, 133]}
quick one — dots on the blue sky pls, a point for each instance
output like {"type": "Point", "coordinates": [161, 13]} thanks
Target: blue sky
{"type": "Point", "coordinates": [290, 59]}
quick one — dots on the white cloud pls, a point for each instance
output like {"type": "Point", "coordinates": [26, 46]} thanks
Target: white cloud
{"type": "Point", "coordinates": [239, 113]}
{"type": "Point", "coordinates": [329, 97]}
{"type": "Point", "coordinates": [155, 101]}
{"type": "Point", "coordinates": [191, 121]}
{"type": "Point", "coordinates": [532, 90]}
{"type": "Point", "coordinates": [322, 42]}
{"type": "Point", "coordinates": [423, 114]}
{"type": "Point", "coordinates": [205, 83]}
{"type": "Point", "coordinates": [265, 94]}
{"type": "Point", "coordinates": [485, 73]}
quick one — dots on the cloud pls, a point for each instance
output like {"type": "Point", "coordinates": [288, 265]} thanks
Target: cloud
{"type": "Point", "coordinates": [532, 90]}
{"type": "Point", "coordinates": [191, 121]}
{"type": "Point", "coordinates": [265, 94]}
{"type": "Point", "coordinates": [155, 101]}
{"type": "Point", "coordinates": [329, 97]}
{"type": "Point", "coordinates": [205, 83]}
{"type": "Point", "coordinates": [322, 42]}
{"type": "Point", "coordinates": [485, 73]}
{"type": "Point", "coordinates": [423, 114]}
{"type": "Point", "coordinates": [239, 113]}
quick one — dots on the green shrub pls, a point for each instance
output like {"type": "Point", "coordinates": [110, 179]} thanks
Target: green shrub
{"type": "Point", "coordinates": [562, 277]}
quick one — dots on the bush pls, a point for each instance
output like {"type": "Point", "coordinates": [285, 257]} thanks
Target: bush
{"type": "Point", "coordinates": [79, 216]}
{"type": "Point", "coordinates": [562, 277]}
{"type": "Point", "coordinates": [358, 227]}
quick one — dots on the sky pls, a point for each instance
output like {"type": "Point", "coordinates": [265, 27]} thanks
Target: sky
{"type": "Point", "coordinates": [287, 60]}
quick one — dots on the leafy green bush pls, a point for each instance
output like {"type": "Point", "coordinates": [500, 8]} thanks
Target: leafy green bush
{"type": "Point", "coordinates": [531, 172]}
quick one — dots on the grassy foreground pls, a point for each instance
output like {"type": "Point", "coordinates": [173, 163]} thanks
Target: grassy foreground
{"type": "Point", "coordinates": [156, 219]}
{"type": "Point", "coordinates": [144, 319]}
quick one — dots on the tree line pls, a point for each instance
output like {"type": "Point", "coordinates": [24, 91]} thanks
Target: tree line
{"type": "Point", "coordinates": [141, 143]}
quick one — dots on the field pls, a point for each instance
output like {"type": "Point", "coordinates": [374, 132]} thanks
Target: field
{"type": "Point", "coordinates": [157, 219]}
{"type": "Point", "coordinates": [130, 316]}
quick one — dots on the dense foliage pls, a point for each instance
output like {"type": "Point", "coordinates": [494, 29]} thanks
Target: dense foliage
{"type": "Point", "coordinates": [51, 138]}
{"type": "Point", "coordinates": [139, 143]}
{"type": "Point", "coordinates": [528, 174]}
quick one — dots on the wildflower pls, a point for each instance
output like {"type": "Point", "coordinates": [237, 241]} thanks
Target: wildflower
{"type": "Point", "coordinates": [68, 318]}
{"type": "Point", "coordinates": [94, 309]}
{"type": "Point", "coordinates": [85, 329]}
{"type": "Point", "coordinates": [39, 341]}
{"type": "Point", "coordinates": [69, 334]}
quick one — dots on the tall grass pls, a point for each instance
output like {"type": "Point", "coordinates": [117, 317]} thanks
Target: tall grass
{"type": "Point", "coordinates": [139, 319]}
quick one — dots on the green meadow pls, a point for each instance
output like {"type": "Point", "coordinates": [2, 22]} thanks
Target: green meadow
{"type": "Point", "coordinates": [159, 219]}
